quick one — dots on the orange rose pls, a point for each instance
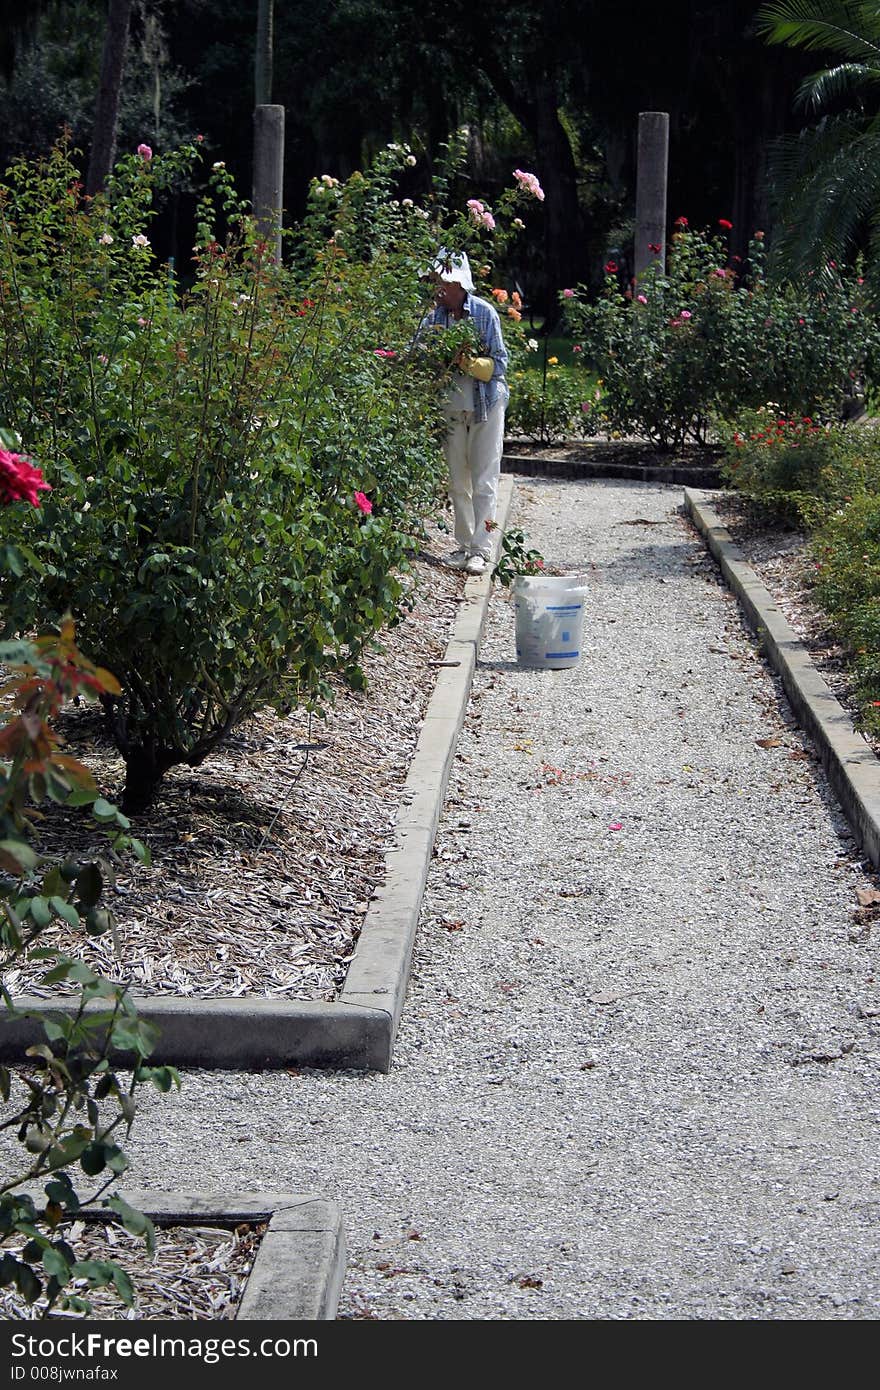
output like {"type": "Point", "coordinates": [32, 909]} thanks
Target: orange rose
{"type": "Point", "coordinates": [515, 315]}
{"type": "Point", "coordinates": [500, 295]}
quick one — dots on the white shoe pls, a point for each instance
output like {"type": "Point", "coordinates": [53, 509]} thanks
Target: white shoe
{"type": "Point", "coordinates": [457, 560]}
{"type": "Point", "coordinates": [475, 565]}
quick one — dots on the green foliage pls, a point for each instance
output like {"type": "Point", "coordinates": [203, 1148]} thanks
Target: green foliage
{"type": "Point", "coordinates": [785, 465]}
{"type": "Point", "coordinates": [702, 342]}
{"type": "Point", "coordinates": [67, 1107]}
{"type": "Point", "coordinates": [516, 558]}
{"type": "Point", "coordinates": [205, 447]}
{"type": "Point", "coordinates": [825, 479]}
{"type": "Point", "coordinates": [847, 549]}
{"type": "Point", "coordinates": [550, 407]}
{"type": "Point", "coordinates": [799, 468]}
{"type": "Point", "coordinates": [826, 180]}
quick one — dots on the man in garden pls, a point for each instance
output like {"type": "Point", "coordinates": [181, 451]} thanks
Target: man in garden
{"type": "Point", "coordinates": [474, 411]}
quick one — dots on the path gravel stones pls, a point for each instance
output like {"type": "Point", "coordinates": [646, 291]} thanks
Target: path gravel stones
{"type": "Point", "coordinates": [636, 1075]}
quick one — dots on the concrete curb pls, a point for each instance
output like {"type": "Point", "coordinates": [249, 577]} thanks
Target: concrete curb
{"type": "Point", "coordinates": [356, 1030]}
{"type": "Point", "coordinates": [534, 466]}
{"type": "Point", "coordinates": [298, 1271]}
{"type": "Point", "coordinates": [852, 767]}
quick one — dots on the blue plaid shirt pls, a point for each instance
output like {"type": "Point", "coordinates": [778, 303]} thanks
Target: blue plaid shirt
{"type": "Point", "coordinates": [488, 325]}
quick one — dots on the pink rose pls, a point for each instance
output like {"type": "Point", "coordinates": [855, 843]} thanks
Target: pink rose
{"type": "Point", "coordinates": [20, 481]}
{"type": "Point", "coordinates": [145, 153]}
{"type": "Point", "coordinates": [568, 294]}
{"type": "Point", "coordinates": [363, 503]}
{"type": "Point", "coordinates": [529, 182]}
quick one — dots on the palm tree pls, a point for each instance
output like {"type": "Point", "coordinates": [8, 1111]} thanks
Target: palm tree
{"type": "Point", "coordinates": [827, 179]}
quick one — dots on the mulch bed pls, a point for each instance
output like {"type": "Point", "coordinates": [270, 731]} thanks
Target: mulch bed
{"type": "Point", "coordinates": [264, 860]}
{"type": "Point", "coordinates": [197, 1273]}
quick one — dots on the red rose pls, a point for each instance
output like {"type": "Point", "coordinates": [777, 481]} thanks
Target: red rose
{"type": "Point", "coordinates": [20, 481]}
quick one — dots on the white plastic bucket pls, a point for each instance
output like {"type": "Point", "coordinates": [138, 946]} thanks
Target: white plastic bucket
{"type": "Point", "coordinates": [549, 620]}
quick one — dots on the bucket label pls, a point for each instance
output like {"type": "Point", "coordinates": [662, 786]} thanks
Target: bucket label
{"type": "Point", "coordinates": [561, 656]}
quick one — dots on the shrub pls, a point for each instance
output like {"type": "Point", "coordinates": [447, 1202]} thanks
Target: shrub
{"type": "Point", "coordinates": [205, 448]}
{"type": "Point", "coordinates": [847, 551]}
{"type": "Point", "coordinates": [798, 467]}
{"type": "Point", "coordinates": [74, 1106]}
{"type": "Point", "coordinates": [704, 341]}
{"type": "Point", "coordinates": [204, 451]}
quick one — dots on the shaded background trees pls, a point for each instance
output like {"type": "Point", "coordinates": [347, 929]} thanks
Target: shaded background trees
{"type": "Point", "coordinates": [556, 88]}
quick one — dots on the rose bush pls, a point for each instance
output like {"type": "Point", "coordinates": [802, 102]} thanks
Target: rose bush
{"type": "Point", "coordinates": [685, 349]}
{"type": "Point", "coordinates": [202, 445]}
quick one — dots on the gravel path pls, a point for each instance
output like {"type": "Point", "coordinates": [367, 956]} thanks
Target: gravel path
{"type": "Point", "coordinates": [636, 1075]}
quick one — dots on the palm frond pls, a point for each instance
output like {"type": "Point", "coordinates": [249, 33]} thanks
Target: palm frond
{"type": "Point", "coordinates": [842, 26]}
{"type": "Point", "coordinates": [822, 89]}
{"type": "Point", "coordinates": [825, 185]}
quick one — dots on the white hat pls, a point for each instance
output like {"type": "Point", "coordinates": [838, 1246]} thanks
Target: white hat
{"type": "Point", "coordinates": [454, 268]}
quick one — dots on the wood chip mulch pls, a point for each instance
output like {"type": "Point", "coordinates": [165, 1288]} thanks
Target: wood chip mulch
{"type": "Point", "coordinates": [264, 860]}
{"type": "Point", "coordinates": [197, 1273]}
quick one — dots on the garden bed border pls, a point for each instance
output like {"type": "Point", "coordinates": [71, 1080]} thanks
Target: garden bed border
{"type": "Point", "coordinates": [538, 466]}
{"type": "Point", "coordinates": [299, 1264]}
{"type": "Point", "coordinates": [356, 1030]}
{"type": "Point", "coordinates": [852, 767]}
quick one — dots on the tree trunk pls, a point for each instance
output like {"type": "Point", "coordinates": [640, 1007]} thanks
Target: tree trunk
{"type": "Point", "coordinates": [107, 109]}
{"type": "Point", "coordinates": [145, 766]}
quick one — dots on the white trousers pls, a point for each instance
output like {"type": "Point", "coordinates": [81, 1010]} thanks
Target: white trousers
{"type": "Point", "coordinates": [473, 456]}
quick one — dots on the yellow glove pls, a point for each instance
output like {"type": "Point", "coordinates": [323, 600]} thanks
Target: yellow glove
{"type": "Point", "coordinates": [483, 368]}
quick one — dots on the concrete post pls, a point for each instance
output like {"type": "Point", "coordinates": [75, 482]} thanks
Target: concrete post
{"type": "Point", "coordinates": [653, 162]}
{"type": "Point", "coordinates": [269, 173]}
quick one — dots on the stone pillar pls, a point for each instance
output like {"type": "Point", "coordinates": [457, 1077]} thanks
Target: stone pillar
{"type": "Point", "coordinates": [269, 172]}
{"type": "Point", "coordinates": [653, 161]}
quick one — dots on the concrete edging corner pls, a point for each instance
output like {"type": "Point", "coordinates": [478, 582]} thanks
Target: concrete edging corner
{"type": "Point", "coordinates": [356, 1030]}
{"type": "Point", "coordinates": [300, 1263]}
{"type": "Point", "coordinates": [852, 767]}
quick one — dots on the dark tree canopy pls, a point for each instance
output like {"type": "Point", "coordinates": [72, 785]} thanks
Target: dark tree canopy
{"type": "Point", "coordinates": [555, 88]}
